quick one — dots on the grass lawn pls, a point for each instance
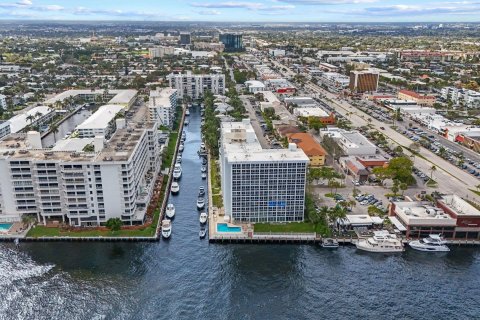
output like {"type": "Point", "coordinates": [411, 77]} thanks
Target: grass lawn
{"type": "Point", "coordinates": [168, 156]}
{"type": "Point", "coordinates": [300, 227]}
{"type": "Point", "coordinates": [216, 188]}
{"type": "Point", "coordinates": [41, 231]}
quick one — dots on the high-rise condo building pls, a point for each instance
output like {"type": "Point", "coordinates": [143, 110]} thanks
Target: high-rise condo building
{"type": "Point", "coordinates": [233, 42]}
{"type": "Point", "coordinates": [195, 85]}
{"type": "Point", "coordinates": [162, 106]}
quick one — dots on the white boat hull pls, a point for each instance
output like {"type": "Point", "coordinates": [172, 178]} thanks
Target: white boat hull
{"type": "Point", "coordinates": [200, 206]}
{"type": "Point", "coordinates": [177, 175]}
{"type": "Point", "coordinates": [361, 246]}
{"type": "Point", "coordinates": [425, 248]}
{"type": "Point", "coordinates": [166, 234]}
{"type": "Point", "coordinates": [170, 213]}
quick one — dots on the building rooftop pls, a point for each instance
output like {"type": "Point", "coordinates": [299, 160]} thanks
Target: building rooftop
{"type": "Point", "coordinates": [73, 144]}
{"type": "Point", "coordinates": [311, 112]}
{"type": "Point", "coordinates": [121, 96]}
{"type": "Point", "coordinates": [307, 143]}
{"type": "Point", "coordinates": [416, 95]}
{"type": "Point", "coordinates": [20, 121]}
{"type": "Point", "coordinates": [418, 213]}
{"type": "Point", "coordinates": [101, 118]}
{"type": "Point", "coordinates": [355, 139]}
{"type": "Point", "coordinates": [459, 206]}
{"type": "Point", "coordinates": [240, 144]}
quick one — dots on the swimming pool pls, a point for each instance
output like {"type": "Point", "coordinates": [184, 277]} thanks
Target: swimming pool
{"type": "Point", "coordinates": [223, 227]}
{"type": "Point", "coordinates": [4, 227]}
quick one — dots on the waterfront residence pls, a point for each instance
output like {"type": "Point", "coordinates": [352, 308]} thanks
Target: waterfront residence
{"type": "Point", "coordinates": [82, 188]}
{"type": "Point", "coordinates": [260, 185]}
{"type": "Point", "coordinates": [195, 85]}
{"type": "Point", "coordinates": [162, 106]}
{"type": "Point", "coordinates": [123, 97]}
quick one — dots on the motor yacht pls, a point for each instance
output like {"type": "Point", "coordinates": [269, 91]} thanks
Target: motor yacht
{"type": "Point", "coordinates": [184, 136]}
{"type": "Point", "coordinates": [186, 122]}
{"type": "Point", "coordinates": [382, 241]}
{"type": "Point", "coordinates": [204, 175]}
{"type": "Point", "coordinates": [200, 203]}
{"type": "Point", "coordinates": [203, 232]}
{"type": "Point", "coordinates": [204, 168]}
{"type": "Point", "coordinates": [177, 171]}
{"type": "Point", "coordinates": [181, 147]}
{"type": "Point", "coordinates": [201, 191]}
{"type": "Point", "coordinates": [433, 243]}
{"type": "Point", "coordinates": [187, 113]}
{"type": "Point", "coordinates": [175, 187]}
{"type": "Point", "coordinates": [166, 228]}
{"type": "Point", "coordinates": [329, 243]}
{"type": "Point", "coordinates": [170, 211]}
{"type": "Point", "coordinates": [203, 218]}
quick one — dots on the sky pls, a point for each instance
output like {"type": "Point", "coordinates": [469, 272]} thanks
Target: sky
{"type": "Point", "coordinates": [245, 10]}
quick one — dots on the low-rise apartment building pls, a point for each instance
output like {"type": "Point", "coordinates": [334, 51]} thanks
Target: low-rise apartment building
{"type": "Point", "coordinates": [101, 123]}
{"type": "Point", "coordinates": [421, 99]}
{"type": "Point", "coordinates": [314, 151]}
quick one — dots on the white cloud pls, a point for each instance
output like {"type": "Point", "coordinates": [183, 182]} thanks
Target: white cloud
{"type": "Point", "coordinates": [209, 12]}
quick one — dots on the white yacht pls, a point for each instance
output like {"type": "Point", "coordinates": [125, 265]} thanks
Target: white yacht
{"type": "Point", "coordinates": [166, 228]}
{"type": "Point", "coordinates": [201, 191]}
{"type": "Point", "coordinates": [181, 147]}
{"type": "Point", "coordinates": [382, 241]}
{"type": "Point", "coordinates": [175, 187]}
{"type": "Point", "coordinates": [177, 171]}
{"type": "Point", "coordinates": [170, 211]}
{"type": "Point", "coordinates": [204, 168]}
{"type": "Point", "coordinates": [187, 113]}
{"type": "Point", "coordinates": [433, 243]}
{"type": "Point", "coordinates": [200, 203]}
{"type": "Point", "coordinates": [203, 218]}
{"type": "Point", "coordinates": [186, 122]}
{"type": "Point", "coordinates": [179, 159]}
{"type": "Point", "coordinates": [203, 232]}
{"type": "Point", "coordinates": [204, 175]}
{"type": "Point", "coordinates": [184, 136]}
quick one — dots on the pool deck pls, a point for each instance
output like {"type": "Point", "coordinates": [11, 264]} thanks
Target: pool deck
{"type": "Point", "coordinates": [16, 231]}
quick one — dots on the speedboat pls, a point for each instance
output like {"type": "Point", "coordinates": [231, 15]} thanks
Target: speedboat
{"type": "Point", "coordinates": [329, 243]}
{"type": "Point", "coordinates": [177, 171]}
{"type": "Point", "coordinates": [200, 203]}
{"type": "Point", "coordinates": [186, 122]}
{"type": "Point", "coordinates": [184, 136]}
{"type": "Point", "coordinates": [179, 159]}
{"type": "Point", "coordinates": [201, 191]}
{"type": "Point", "coordinates": [203, 218]}
{"type": "Point", "coordinates": [202, 233]}
{"type": "Point", "coordinates": [170, 211]}
{"type": "Point", "coordinates": [175, 187]}
{"type": "Point", "coordinates": [433, 243]}
{"type": "Point", "coordinates": [204, 175]}
{"type": "Point", "coordinates": [382, 241]}
{"type": "Point", "coordinates": [166, 228]}
{"type": "Point", "coordinates": [204, 168]}
{"type": "Point", "coordinates": [181, 147]}
{"type": "Point", "coordinates": [187, 113]}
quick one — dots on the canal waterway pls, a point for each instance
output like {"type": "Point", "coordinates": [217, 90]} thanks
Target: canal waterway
{"type": "Point", "coordinates": [188, 278]}
{"type": "Point", "coordinates": [67, 126]}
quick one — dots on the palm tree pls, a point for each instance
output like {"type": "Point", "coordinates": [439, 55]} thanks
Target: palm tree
{"type": "Point", "coordinates": [54, 130]}
{"type": "Point", "coordinates": [30, 118]}
{"type": "Point", "coordinates": [432, 169]}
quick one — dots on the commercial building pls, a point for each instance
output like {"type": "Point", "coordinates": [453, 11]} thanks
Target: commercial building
{"type": "Point", "coordinates": [160, 52]}
{"type": "Point", "coordinates": [162, 106]}
{"type": "Point", "coordinates": [3, 102]}
{"type": "Point", "coordinates": [260, 185]}
{"type": "Point", "coordinates": [276, 52]}
{"type": "Point", "coordinates": [254, 86]}
{"type": "Point", "coordinates": [421, 99]}
{"type": "Point", "coordinates": [314, 151]}
{"type": "Point", "coordinates": [211, 46]}
{"type": "Point", "coordinates": [233, 42]}
{"type": "Point", "coordinates": [123, 97]}
{"type": "Point", "coordinates": [195, 85]}
{"type": "Point", "coordinates": [4, 128]}
{"type": "Point", "coordinates": [34, 117]}
{"type": "Point", "coordinates": [363, 81]}
{"type": "Point", "coordinates": [354, 143]}
{"type": "Point", "coordinates": [101, 123]}
{"type": "Point", "coordinates": [327, 118]}
{"type": "Point", "coordinates": [81, 188]}
{"type": "Point", "coordinates": [452, 217]}
{"type": "Point", "coordinates": [335, 81]}
{"type": "Point", "coordinates": [185, 38]}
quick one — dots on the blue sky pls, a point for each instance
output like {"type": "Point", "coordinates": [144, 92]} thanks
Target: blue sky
{"type": "Point", "coordinates": [245, 10]}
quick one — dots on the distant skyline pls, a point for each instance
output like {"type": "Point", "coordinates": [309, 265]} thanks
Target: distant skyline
{"type": "Point", "coordinates": [245, 10]}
